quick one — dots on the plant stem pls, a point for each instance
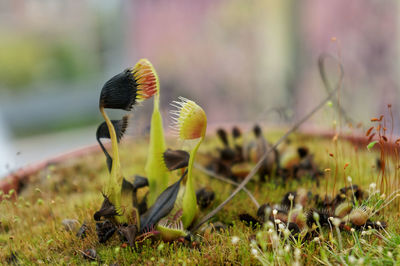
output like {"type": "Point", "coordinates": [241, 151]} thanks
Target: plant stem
{"type": "Point", "coordinates": [113, 189]}
{"type": "Point", "coordinates": [223, 179]}
{"type": "Point", "coordinates": [189, 198]}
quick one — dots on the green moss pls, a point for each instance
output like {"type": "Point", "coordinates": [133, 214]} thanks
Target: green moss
{"type": "Point", "coordinates": [35, 232]}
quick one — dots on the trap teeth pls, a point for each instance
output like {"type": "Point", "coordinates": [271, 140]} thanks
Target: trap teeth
{"type": "Point", "coordinates": [119, 92]}
{"type": "Point", "coordinates": [190, 120]}
{"type": "Point", "coordinates": [343, 209]}
{"type": "Point", "coordinates": [120, 127]}
{"type": "Point", "coordinates": [358, 216]}
{"type": "Point", "coordinates": [176, 159]}
{"type": "Point", "coordinates": [146, 79]}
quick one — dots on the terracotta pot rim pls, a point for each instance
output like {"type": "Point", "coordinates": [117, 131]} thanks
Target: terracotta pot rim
{"type": "Point", "coordinates": [16, 178]}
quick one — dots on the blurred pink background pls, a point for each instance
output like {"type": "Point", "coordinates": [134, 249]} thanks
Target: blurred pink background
{"type": "Point", "coordinates": [241, 61]}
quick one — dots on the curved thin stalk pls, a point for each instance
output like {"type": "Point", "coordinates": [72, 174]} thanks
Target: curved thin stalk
{"type": "Point", "coordinates": [226, 180]}
{"type": "Point", "coordinates": [113, 190]}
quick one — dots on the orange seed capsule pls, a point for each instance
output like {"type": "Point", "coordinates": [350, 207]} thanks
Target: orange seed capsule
{"type": "Point", "coordinates": [371, 137]}
{"type": "Point", "coordinates": [369, 131]}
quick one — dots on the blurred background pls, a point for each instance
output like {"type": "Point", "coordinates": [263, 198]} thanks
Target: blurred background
{"type": "Point", "coordinates": [241, 61]}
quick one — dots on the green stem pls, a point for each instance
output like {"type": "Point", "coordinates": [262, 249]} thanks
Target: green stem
{"type": "Point", "coordinates": [156, 171]}
{"type": "Point", "coordinates": [156, 100]}
{"type": "Point", "coordinates": [189, 198]}
{"type": "Point", "coordinates": [115, 182]}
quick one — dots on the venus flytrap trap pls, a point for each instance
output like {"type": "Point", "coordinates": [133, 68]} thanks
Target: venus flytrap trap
{"type": "Point", "coordinates": [104, 133]}
{"type": "Point", "coordinates": [176, 159]}
{"type": "Point", "coordinates": [190, 123]}
{"type": "Point", "coordinates": [122, 91]}
{"type": "Point", "coordinates": [163, 206]}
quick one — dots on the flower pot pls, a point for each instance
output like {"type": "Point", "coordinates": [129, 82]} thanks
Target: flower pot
{"type": "Point", "coordinates": [18, 179]}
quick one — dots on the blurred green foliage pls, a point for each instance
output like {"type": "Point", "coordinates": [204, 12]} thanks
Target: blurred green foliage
{"type": "Point", "coordinates": [18, 58]}
{"type": "Point", "coordinates": [35, 59]}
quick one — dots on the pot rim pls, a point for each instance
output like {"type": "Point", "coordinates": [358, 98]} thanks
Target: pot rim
{"type": "Point", "coordinates": [20, 176]}
{"type": "Point", "coordinates": [17, 178]}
